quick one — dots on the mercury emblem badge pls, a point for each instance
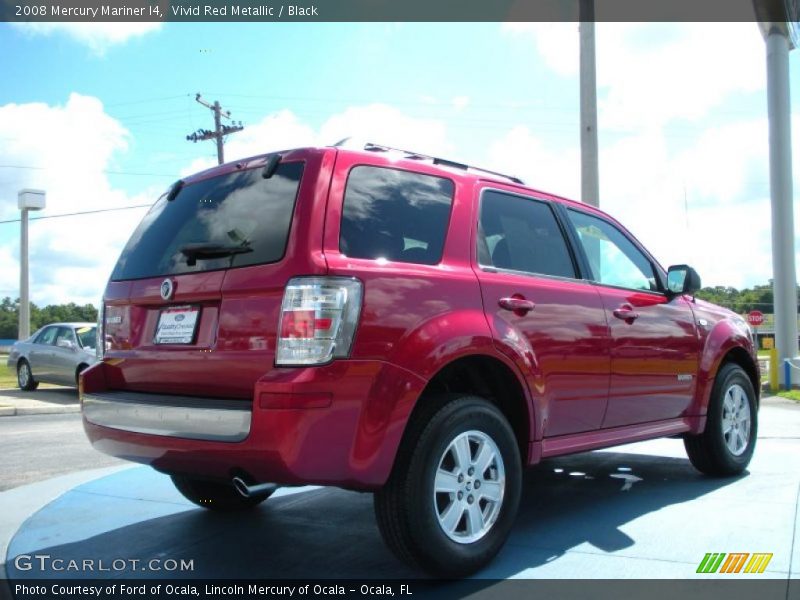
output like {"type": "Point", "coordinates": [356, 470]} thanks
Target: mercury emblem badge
{"type": "Point", "coordinates": [166, 289]}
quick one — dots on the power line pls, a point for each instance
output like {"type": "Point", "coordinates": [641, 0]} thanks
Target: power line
{"type": "Point", "coordinates": [36, 168]}
{"type": "Point", "coordinates": [83, 212]}
{"type": "Point", "coordinates": [145, 100]}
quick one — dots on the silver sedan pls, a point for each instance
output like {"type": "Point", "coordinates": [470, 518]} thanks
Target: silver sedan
{"type": "Point", "coordinates": [57, 353]}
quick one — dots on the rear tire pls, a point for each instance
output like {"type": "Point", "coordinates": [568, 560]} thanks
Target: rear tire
{"type": "Point", "coordinates": [81, 367]}
{"type": "Point", "coordinates": [25, 378]}
{"type": "Point", "coordinates": [215, 496]}
{"type": "Point", "coordinates": [453, 494]}
{"type": "Point", "coordinates": [726, 446]}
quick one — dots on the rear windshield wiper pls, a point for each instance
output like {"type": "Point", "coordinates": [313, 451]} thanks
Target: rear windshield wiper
{"type": "Point", "coordinates": [192, 252]}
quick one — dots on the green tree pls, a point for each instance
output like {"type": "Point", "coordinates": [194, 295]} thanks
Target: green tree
{"type": "Point", "coordinates": [52, 313]}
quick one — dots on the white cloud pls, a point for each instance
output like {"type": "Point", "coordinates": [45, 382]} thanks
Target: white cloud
{"type": "Point", "coordinates": [71, 258]}
{"type": "Point", "coordinates": [377, 123]}
{"type": "Point", "coordinates": [557, 43]}
{"type": "Point", "coordinates": [643, 179]}
{"type": "Point", "coordinates": [521, 153]}
{"type": "Point", "coordinates": [460, 103]}
{"type": "Point", "coordinates": [71, 147]}
{"type": "Point", "coordinates": [684, 73]}
{"type": "Point", "coordinates": [98, 37]}
{"type": "Point", "coordinates": [663, 91]}
{"type": "Point", "coordinates": [650, 74]}
{"type": "Point", "coordinates": [382, 124]}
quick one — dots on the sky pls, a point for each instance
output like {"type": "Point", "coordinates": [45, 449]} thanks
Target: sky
{"type": "Point", "coordinates": [97, 115]}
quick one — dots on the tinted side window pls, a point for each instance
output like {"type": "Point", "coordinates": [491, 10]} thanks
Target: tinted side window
{"type": "Point", "coordinates": [47, 336]}
{"type": "Point", "coordinates": [396, 215]}
{"type": "Point", "coordinates": [522, 234]}
{"type": "Point", "coordinates": [613, 258]}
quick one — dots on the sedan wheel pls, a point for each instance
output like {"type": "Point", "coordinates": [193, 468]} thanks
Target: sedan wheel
{"type": "Point", "coordinates": [25, 378]}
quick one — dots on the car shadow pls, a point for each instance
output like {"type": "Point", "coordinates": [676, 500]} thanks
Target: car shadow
{"type": "Point", "coordinates": [330, 533]}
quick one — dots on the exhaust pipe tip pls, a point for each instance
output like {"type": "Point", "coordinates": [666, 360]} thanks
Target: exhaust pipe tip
{"type": "Point", "coordinates": [241, 487]}
{"type": "Point", "coordinates": [253, 491]}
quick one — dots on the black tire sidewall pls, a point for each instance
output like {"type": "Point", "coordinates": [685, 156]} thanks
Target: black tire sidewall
{"type": "Point", "coordinates": [729, 375]}
{"type": "Point", "coordinates": [432, 544]}
{"type": "Point", "coordinates": [23, 364]}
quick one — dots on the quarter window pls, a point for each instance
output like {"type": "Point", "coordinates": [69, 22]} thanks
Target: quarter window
{"type": "Point", "coordinates": [395, 215]}
{"type": "Point", "coordinates": [522, 234]}
{"type": "Point", "coordinates": [613, 258]}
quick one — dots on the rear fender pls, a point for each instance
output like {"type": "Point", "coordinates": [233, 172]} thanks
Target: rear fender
{"type": "Point", "coordinates": [423, 352]}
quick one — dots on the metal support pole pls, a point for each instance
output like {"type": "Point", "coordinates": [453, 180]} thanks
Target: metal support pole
{"type": "Point", "coordinates": [780, 179]}
{"type": "Point", "coordinates": [590, 178]}
{"type": "Point", "coordinates": [24, 300]}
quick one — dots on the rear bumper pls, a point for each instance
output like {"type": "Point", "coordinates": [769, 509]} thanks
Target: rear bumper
{"type": "Point", "coordinates": [338, 424]}
{"type": "Point", "coordinates": [172, 416]}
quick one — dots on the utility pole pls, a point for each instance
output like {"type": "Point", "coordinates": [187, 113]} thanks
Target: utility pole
{"type": "Point", "coordinates": [590, 170]}
{"type": "Point", "coordinates": [220, 130]}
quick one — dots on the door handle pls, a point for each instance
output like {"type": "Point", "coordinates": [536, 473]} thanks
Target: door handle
{"type": "Point", "coordinates": [517, 304]}
{"type": "Point", "coordinates": [626, 313]}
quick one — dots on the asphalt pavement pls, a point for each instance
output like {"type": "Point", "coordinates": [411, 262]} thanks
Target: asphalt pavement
{"type": "Point", "coordinates": [636, 511]}
{"type": "Point", "coordinates": [36, 447]}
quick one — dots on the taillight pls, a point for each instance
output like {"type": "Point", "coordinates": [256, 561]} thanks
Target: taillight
{"type": "Point", "coordinates": [318, 320]}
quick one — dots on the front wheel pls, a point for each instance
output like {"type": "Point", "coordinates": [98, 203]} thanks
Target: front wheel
{"type": "Point", "coordinates": [451, 500]}
{"type": "Point", "coordinates": [25, 378]}
{"type": "Point", "coordinates": [214, 495]}
{"type": "Point", "coordinates": [726, 446]}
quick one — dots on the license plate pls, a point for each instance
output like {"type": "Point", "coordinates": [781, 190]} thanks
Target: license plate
{"type": "Point", "coordinates": [177, 325]}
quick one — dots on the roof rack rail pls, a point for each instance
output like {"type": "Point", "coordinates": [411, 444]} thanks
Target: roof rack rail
{"type": "Point", "coordinates": [370, 147]}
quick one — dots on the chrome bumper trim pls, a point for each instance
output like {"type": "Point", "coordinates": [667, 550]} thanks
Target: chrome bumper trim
{"type": "Point", "coordinates": [172, 416]}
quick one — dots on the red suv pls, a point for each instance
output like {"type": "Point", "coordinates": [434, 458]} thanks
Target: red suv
{"type": "Point", "coordinates": [386, 321]}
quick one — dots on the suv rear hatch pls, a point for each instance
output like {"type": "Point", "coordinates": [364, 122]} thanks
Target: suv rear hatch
{"type": "Point", "coordinates": [193, 304]}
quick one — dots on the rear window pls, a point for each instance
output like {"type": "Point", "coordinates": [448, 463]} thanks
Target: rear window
{"type": "Point", "coordinates": [395, 215]}
{"type": "Point", "coordinates": [233, 220]}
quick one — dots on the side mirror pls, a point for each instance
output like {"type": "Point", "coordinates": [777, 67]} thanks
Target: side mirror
{"type": "Point", "coordinates": [66, 344]}
{"type": "Point", "coordinates": [682, 279]}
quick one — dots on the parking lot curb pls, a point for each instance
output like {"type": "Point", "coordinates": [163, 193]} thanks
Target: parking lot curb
{"type": "Point", "coordinates": [47, 410]}
{"type": "Point", "coordinates": [49, 401]}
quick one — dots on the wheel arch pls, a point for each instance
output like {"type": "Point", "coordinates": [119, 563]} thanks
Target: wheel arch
{"type": "Point", "coordinates": [741, 357]}
{"type": "Point", "coordinates": [727, 342]}
{"type": "Point", "coordinates": [79, 369]}
{"type": "Point", "coordinates": [489, 377]}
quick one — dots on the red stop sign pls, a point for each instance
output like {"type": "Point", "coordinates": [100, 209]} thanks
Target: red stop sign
{"type": "Point", "coordinates": [755, 318]}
